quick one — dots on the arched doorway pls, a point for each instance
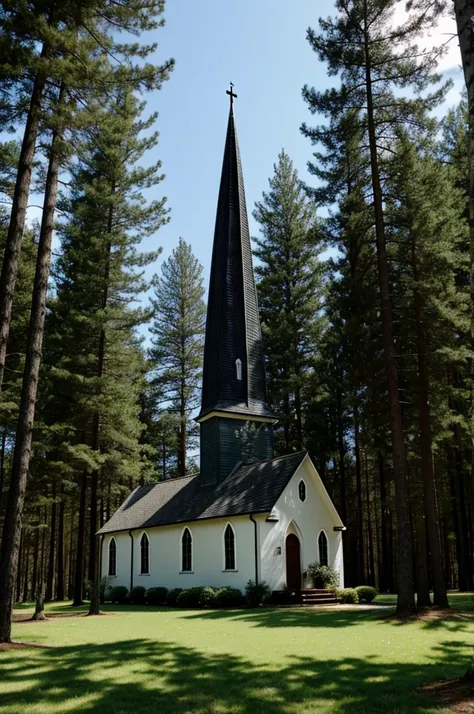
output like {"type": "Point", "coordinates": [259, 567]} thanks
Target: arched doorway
{"type": "Point", "coordinates": [293, 562]}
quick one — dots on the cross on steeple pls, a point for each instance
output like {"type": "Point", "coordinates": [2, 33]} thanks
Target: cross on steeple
{"type": "Point", "coordinates": [231, 94]}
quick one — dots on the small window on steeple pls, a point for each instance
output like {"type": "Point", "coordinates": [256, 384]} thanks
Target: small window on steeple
{"type": "Point", "coordinates": [238, 367]}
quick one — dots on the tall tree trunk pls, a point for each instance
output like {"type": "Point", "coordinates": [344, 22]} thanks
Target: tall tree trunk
{"type": "Point", "coordinates": [34, 576]}
{"type": "Point", "coordinates": [405, 590]}
{"type": "Point", "coordinates": [26, 573]}
{"type": "Point", "coordinates": [60, 554]}
{"type": "Point", "coordinates": [342, 459]}
{"type": "Point", "coordinates": [422, 578]}
{"type": "Point", "coordinates": [20, 563]}
{"type": "Point", "coordinates": [370, 535]}
{"type": "Point", "coordinates": [360, 514]}
{"type": "Point", "coordinates": [71, 564]}
{"type": "Point", "coordinates": [48, 596]}
{"type": "Point", "coordinates": [96, 421]}
{"type": "Point", "coordinates": [440, 597]}
{"type": "Point", "coordinates": [2, 466]}
{"type": "Point", "coordinates": [386, 566]}
{"type": "Point", "coordinates": [16, 227]}
{"type": "Point", "coordinates": [24, 434]}
{"type": "Point", "coordinates": [81, 527]}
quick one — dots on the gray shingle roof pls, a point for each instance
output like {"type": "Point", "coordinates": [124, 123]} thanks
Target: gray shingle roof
{"type": "Point", "coordinates": [252, 488]}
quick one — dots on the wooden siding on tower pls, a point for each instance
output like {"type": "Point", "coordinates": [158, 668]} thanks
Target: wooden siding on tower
{"type": "Point", "coordinates": [228, 442]}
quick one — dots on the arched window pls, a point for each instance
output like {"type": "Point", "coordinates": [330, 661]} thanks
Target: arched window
{"type": "Point", "coordinates": [238, 368]}
{"type": "Point", "coordinates": [302, 490]}
{"type": "Point", "coordinates": [144, 555]}
{"type": "Point", "coordinates": [112, 557]}
{"type": "Point", "coordinates": [229, 548]}
{"type": "Point", "coordinates": [186, 551]}
{"type": "Point", "coordinates": [323, 548]}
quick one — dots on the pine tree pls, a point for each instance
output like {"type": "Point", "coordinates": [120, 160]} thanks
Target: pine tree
{"type": "Point", "coordinates": [290, 292]}
{"type": "Point", "coordinates": [425, 216]}
{"type": "Point", "coordinates": [99, 275]}
{"type": "Point", "coordinates": [375, 61]}
{"type": "Point", "coordinates": [178, 337]}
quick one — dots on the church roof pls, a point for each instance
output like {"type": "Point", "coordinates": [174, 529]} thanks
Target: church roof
{"type": "Point", "coordinates": [233, 326]}
{"type": "Point", "coordinates": [252, 488]}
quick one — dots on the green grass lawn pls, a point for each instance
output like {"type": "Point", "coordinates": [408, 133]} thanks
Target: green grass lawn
{"type": "Point", "coordinates": [287, 661]}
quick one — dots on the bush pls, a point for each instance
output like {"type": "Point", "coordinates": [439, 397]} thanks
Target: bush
{"type": "Point", "coordinates": [348, 596]}
{"type": "Point", "coordinates": [208, 597]}
{"type": "Point", "coordinates": [156, 596]}
{"type": "Point", "coordinates": [172, 596]}
{"type": "Point", "coordinates": [117, 594]}
{"type": "Point", "coordinates": [228, 597]}
{"type": "Point", "coordinates": [257, 593]}
{"type": "Point", "coordinates": [323, 576]}
{"type": "Point", "coordinates": [190, 597]}
{"type": "Point", "coordinates": [137, 595]}
{"type": "Point", "coordinates": [366, 593]}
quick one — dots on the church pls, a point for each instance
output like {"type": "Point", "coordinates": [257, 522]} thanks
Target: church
{"type": "Point", "coordinates": [246, 515]}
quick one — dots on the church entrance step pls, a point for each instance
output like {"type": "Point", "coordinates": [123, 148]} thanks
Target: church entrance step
{"type": "Point", "coordinates": [317, 597]}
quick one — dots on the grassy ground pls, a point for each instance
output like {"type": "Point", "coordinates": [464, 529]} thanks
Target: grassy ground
{"type": "Point", "coordinates": [288, 661]}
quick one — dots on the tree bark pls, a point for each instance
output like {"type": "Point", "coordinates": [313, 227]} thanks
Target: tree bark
{"type": "Point", "coordinates": [39, 603]}
{"type": "Point", "coordinates": [422, 578]}
{"type": "Point", "coordinates": [24, 434]}
{"type": "Point", "coordinates": [96, 423]}
{"type": "Point", "coordinates": [2, 466]}
{"type": "Point", "coordinates": [20, 563]}
{"type": "Point", "coordinates": [94, 607]}
{"type": "Point", "coordinates": [464, 14]}
{"type": "Point", "coordinates": [34, 575]}
{"type": "Point", "coordinates": [440, 598]}
{"type": "Point", "coordinates": [370, 535]}
{"type": "Point", "coordinates": [360, 514]}
{"type": "Point", "coordinates": [81, 527]}
{"type": "Point", "coordinates": [16, 227]}
{"type": "Point", "coordinates": [405, 589]}
{"type": "Point", "coordinates": [52, 547]}
{"type": "Point", "coordinates": [342, 459]}
{"type": "Point", "coordinates": [60, 554]}
{"type": "Point", "coordinates": [26, 573]}
{"type": "Point", "coordinates": [386, 568]}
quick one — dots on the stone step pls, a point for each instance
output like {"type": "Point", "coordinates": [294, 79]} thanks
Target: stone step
{"type": "Point", "coordinates": [315, 590]}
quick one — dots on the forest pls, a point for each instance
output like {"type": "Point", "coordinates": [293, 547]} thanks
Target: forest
{"type": "Point", "coordinates": [364, 277]}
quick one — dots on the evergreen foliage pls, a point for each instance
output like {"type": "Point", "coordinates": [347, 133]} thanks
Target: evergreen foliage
{"type": "Point", "coordinates": [290, 293]}
{"type": "Point", "coordinates": [176, 355]}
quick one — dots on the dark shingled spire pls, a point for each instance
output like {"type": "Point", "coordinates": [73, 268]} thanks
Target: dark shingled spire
{"type": "Point", "coordinates": [234, 384]}
{"type": "Point", "coordinates": [233, 326]}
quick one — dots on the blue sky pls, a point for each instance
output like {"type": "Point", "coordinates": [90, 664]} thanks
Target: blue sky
{"type": "Point", "coordinates": [261, 46]}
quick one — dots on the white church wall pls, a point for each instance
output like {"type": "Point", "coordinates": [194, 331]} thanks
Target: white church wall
{"type": "Point", "coordinates": [304, 518]}
{"type": "Point", "coordinates": [207, 555]}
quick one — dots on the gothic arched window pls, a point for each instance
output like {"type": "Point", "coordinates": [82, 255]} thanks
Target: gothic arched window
{"type": "Point", "coordinates": [229, 548]}
{"type": "Point", "coordinates": [112, 557]}
{"type": "Point", "coordinates": [144, 555]}
{"type": "Point", "coordinates": [323, 548]}
{"type": "Point", "coordinates": [302, 490]}
{"type": "Point", "coordinates": [238, 369]}
{"type": "Point", "coordinates": [186, 551]}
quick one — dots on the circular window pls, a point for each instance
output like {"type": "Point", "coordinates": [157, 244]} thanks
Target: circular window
{"type": "Point", "coordinates": [302, 490]}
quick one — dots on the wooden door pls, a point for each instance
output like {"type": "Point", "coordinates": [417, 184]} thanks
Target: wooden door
{"type": "Point", "coordinates": [293, 562]}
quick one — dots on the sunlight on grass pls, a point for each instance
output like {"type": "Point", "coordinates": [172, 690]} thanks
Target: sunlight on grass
{"type": "Point", "coordinates": [265, 661]}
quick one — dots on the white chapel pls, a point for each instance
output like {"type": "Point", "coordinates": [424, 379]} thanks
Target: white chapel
{"type": "Point", "coordinates": [247, 515]}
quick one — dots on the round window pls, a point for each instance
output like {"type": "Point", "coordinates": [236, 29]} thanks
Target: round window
{"type": "Point", "coordinates": [302, 490]}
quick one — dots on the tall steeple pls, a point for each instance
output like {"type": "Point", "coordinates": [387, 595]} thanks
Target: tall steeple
{"type": "Point", "coordinates": [235, 414]}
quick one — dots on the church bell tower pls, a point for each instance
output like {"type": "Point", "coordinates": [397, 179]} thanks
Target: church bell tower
{"type": "Point", "coordinates": [236, 420]}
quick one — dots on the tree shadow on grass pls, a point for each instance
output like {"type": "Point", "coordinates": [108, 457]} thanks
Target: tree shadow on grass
{"type": "Point", "coordinates": [300, 617]}
{"type": "Point", "coordinates": [144, 676]}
